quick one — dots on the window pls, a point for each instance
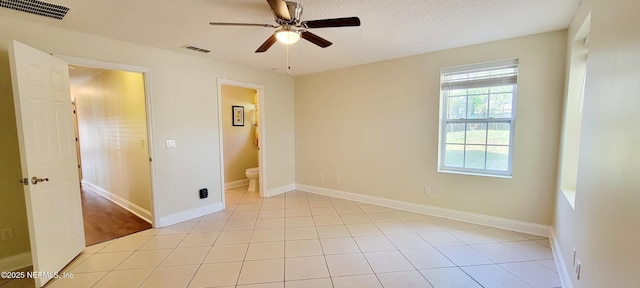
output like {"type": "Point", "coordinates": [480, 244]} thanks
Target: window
{"type": "Point", "coordinates": [477, 118]}
{"type": "Point", "coordinates": [572, 123]}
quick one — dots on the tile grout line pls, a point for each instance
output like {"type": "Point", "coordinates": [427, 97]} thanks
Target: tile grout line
{"type": "Point", "coordinates": [302, 201]}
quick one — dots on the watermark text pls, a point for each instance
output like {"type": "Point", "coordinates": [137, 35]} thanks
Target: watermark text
{"type": "Point", "coordinates": [34, 275]}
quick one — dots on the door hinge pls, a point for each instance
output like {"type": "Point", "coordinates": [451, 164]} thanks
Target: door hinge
{"type": "Point", "coordinates": [149, 159]}
{"type": "Point", "coordinates": [24, 181]}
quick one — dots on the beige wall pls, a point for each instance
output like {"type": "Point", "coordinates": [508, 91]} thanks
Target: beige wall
{"type": "Point", "coordinates": [112, 125]}
{"type": "Point", "coordinates": [604, 228]}
{"type": "Point", "coordinates": [376, 126]}
{"type": "Point", "coordinates": [183, 102]}
{"type": "Point", "coordinates": [240, 152]}
{"type": "Point", "coordinates": [13, 213]}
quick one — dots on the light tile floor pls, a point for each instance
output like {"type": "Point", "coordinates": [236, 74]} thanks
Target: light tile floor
{"type": "Point", "coordinates": [301, 239]}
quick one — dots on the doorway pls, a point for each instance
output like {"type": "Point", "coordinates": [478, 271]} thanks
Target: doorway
{"type": "Point", "coordinates": [242, 145]}
{"type": "Point", "coordinates": [44, 122]}
{"type": "Point", "coordinates": [113, 151]}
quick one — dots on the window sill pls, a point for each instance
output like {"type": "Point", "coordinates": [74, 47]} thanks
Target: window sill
{"type": "Point", "coordinates": [570, 195]}
{"type": "Point", "coordinates": [475, 174]}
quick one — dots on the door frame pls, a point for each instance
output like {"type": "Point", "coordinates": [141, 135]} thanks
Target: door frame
{"type": "Point", "coordinates": [77, 132]}
{"type": "Point", "coordinates": [146, 72]}
{"type": "Point", "coordinates": [261, 135]}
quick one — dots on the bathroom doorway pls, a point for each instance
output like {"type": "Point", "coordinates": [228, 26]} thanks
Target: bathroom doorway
{"type": "Point", "coordinates": [241, 129]}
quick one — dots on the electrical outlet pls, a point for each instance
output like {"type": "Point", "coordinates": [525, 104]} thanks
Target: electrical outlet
{"type": "Point", "coordinates": [7, 233]}
{"type": "Point", "coordinates": [204, 193]}
{"type": "Point", "coordinates": [321, 176]}
{"type": "Point", "coordinates": [338, 178]}
{"type": "Point", "coordinates": [427, 190]}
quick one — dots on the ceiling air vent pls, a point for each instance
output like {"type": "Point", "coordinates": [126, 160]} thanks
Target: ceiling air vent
{"type": "Point", "coordinates": [193, 48]}
{"type": "Point", "coordinates": [36, 7]}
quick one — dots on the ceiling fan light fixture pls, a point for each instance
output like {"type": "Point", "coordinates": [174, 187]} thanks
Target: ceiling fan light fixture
{"type": "Point", "coordinates": [289, 26]}
{"type": "Point", "coordinates": [287, 36]}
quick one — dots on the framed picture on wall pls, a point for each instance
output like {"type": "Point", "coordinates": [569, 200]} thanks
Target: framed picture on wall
{"type": "Point", "coordinates": [238, 115]}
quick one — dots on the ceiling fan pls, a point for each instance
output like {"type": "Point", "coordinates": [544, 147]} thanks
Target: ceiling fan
{"type": "Point", "coordinates": [291, 29]}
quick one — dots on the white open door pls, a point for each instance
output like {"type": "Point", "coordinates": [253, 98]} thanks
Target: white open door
{"type": "Point", "coordinates": [48, 156]}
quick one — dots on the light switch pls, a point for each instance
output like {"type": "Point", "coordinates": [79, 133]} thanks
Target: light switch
{"type": "Point", "coordinates": [171, 143]}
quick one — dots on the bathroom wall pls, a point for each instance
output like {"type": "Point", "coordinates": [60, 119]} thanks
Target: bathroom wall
{"type": "Point", "coordinates": [240, 152]}
{"type": "Point", "coordinates": [114, 148]}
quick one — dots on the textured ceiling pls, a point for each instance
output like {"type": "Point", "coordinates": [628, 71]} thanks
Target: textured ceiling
{"type": "Point", "coordinates": [390, 28]}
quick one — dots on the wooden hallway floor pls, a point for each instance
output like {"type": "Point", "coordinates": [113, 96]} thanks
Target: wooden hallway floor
{"type": "Point", "coordinates": [104, 220]}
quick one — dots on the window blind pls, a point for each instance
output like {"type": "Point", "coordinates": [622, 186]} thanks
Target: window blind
{"type": "Point", "coordinates": [480, 75]}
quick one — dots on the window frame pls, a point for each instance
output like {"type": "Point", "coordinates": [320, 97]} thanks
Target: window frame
{"type": "Point", "coordinates": [444, 101]}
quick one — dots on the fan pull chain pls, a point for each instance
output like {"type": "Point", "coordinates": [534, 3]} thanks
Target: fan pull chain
{"type": "Point", "coordinates": [288, 66]}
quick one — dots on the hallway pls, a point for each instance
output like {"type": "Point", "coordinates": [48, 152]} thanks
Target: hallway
{"type": "Point", "coordinates": [104, 220]}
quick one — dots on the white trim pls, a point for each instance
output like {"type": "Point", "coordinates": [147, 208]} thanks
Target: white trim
{"type": "Point", "coordinates": [440, 170]}
{"type": "Point", "coordinates": [279, 190]}
{"type": "Point", "coordinates": [124, 203]}
{"type": "Point", "coordinates": [189, 214]}
{"type": "Point", "coordinates": [223, 192]}
{"type": "Point", "coordinates": [101, 64]}
{"type": "Point", "coordinates": [15, 262]}
{"type": "Point", "coordinates": [563, 273]}
{"type": "Point", "coordinates": [497, 222]}
{"type": "Point", "coordinates": [262, 175]}
{"type": "Point", "coordinates": [234, 184]}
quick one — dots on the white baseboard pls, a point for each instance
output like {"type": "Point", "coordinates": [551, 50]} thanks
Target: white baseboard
{"type": "Point", "coordinates": [124, 203]}
{"type": "Point", "coordinates": [563, 273]}
{"type": "Point", "coordinates": [279, 190]}
{"type": "Point", "coordinates": [497, 222]}
{"type": "Point", "coordinates": [15, 262]}
{"type": "Point", "coordinates": [234, 184]}
{"type": "Point", "coordinates": [189, 214]}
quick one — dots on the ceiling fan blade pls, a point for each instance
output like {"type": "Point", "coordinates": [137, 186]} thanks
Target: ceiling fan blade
{"type": "Point", "coordinates": [267, 44]}
{"type": "Point", "coordinates": [327, 23]}
{"type": "Point", "coordinates": [315, 39]}
{"type": "Point", "coordinates": [242, 24]}
{"type": "Point", "coordinates": [280, 9]}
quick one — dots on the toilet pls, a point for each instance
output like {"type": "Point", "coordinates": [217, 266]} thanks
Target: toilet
{"type": "Point", "coordinates": [252, 174]}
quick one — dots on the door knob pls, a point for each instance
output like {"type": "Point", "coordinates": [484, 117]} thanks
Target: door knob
{"type": "Point", "coordinates": [35, 180]}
